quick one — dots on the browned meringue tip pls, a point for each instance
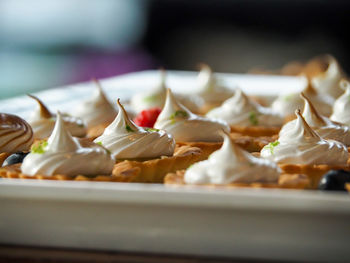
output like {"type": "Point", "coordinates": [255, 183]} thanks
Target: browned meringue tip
{"type": "Point", "coordinates": [203, 65]}
{"type": "Point", "coordinates": [44, 111]}
{"type": "Point", "coordinates": [307, 128]}
{"type": "Point", "coordinates": [298, 112]}
{"type": "Point", "coordinates": [312, 107]}
{"type": "Point", "coordinates": [121, 107]}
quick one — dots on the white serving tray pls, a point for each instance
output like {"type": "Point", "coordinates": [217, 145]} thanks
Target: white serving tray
{"type": "Point", "coordinates": [242, 223]}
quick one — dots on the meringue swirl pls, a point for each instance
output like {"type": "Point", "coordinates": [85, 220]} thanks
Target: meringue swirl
{"type": "Point", "coordinates": [286, 104]}
{"type": "Point", "coordinates": [328, 82]}
{"type": "Point", "coordinates": [156, 97]}
{"type": "Point", "coordinates": [231, 164]}
{"type": "Point", "coordinates": [65, 155]}
{"type": "Point", "coordinates": [16, 135]}
{"type": "Point", "coordinates": [242, 111]}
{"type": "Point", "coordinates": [341, 107]}
{"type": "Point", "coordinates": [96, 110]}
{"type": "Point", "coordinates": [125, 140]}
{"type": "Point", "coordinates": [324, 127]}
{"type": "Point", "coordinates": [209, 87]}
{"type": "Point", "coordinates": [43, 122]}
{"type": "Point", "coordinates": [186, 126]}
{"type": "Point", "coordinates": [301, 145]}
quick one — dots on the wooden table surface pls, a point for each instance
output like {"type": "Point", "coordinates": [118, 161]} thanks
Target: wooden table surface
{"type": "Point", "coordinates": [20, 254]}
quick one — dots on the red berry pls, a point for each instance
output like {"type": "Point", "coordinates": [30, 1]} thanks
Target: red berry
{"type": "Point", "coordinates": [147, 118]}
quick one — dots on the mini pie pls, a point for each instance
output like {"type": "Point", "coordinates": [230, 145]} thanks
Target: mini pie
{"type": "Point", "coordinates": [299, 149]}
{"type": "Point", "coordinates": [43, 121]}
{"type": "Point", "coordinates": [97, 112]}
{"type": "Point", "coordinates": [142, 154]}
{"type": "Point", "coordinates": [190, 129]}
{"type": "Point", "coordinates": [16, 135]}
{"type": "Point", "coordinates": [156, 97]}
{"type": "Point", "coordinates": [63, 157]}
{"type": "Point", "coordinates": [327, 82]}
{"type": "Point", "coordinates": [287, 103]}
{"type": "Point", "coordinates": [211, 89]}
{"type": "Point", "coordinates": [231, 167]}
{"type": "Point", "coordinates": [324, 127]}
{"type": "Point", "coordinates": [247, 117]}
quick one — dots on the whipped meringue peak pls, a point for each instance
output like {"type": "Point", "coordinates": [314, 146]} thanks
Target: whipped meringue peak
{"type": "Point", "coordinates": [125, 140]}
{"type": "Point", "coordinates": [156, 96]}
{"type": "Point", "coordinates": [44, 112]}
{"type": "Point", "coordinates": [241, 110]}
{"type": "Point", "coordinates": [300, 131]}
{"type": "Point", "coordinates": [97, 109]}
{"type": "Point", "coordinates": [210, 88]}
{"type": "Point", "coordinates": [286, 104]}
{"type": "Point", "coordinates": [43, 122]}
{"type": "Point", "coordinates": [231, 164]}
{"type": "Point", "coordinates": [186, 126]}
{"type": "Point", "coordinates": [311, 115]}
{"type": "Point", "coordinates": [298, 143]}
{"type": "Point", "coordinates": [328, 82]}
{"type": "Point", "coordinates": [341, 107]}
{"type": "Point", "coordinates": [62, 154]}
{"type": "Point", "coordinates": [61, 140]}
{"type": "Point", "coordinates": [324, 127]}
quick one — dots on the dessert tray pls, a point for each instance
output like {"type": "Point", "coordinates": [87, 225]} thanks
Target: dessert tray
{"type": "Point", "coordinates": [297, 225]}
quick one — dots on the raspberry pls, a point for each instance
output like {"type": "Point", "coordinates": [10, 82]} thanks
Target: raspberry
{"type": "Point", "coordinates": [147, 118]}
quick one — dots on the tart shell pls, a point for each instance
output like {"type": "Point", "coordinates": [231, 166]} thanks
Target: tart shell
{"type": "Point", "coordinates": [287, 181]}
{"type": "Point", "coordinates": [14, 172]}
{"type": "Point", "coordinates": [314, 172]}
{"type": "Point", "coordinates": [255, 131]}
{"type": "Point", "coordinates": [153, 171]}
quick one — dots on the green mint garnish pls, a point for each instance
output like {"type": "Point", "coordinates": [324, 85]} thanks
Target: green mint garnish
{"type": "Point", "coordinates": [253, 118]}
{"type": "Point", "coordinates": [178, 113]}
{"type": "Point", "coordinates": [288, 97]}
{"type": "Point", "coordinates": [99, 143]}
{"type": "Point", "coordinates": [272, 145]}
{"type": "Point", "coordinates": [39, 147]}
{"type": "Point", "coordinates": [128, 128]}
{"type": "Point", "coordinates": [151, 129]}
{"type": "Point", "coordinates": [150, 98]}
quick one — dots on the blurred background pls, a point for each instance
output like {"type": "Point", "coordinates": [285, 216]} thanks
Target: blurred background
{"type": "Point", "coordinates": [48, 43]}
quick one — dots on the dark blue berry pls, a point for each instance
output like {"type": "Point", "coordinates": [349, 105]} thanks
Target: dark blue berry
{"type": "Point", "coordinates": [14, 158]}
{"type": "Point", "coordinates": [334, 180]}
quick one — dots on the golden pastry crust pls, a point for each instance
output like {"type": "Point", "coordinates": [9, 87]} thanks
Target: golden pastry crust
{"type": "Point", "coordinates": [255, 131]}
{"type": "Point", "coordinates": [153, 171]}
{"type": "Point", "coordinates": [207, 148]}
{"type": "Point", "coordinates": [14, 172]}
{"type": "Point", "coordinates": [97, 130]}
{"type": "Point", "coordinates": [208, 107]}
{"type": "Point", "coordinates": [248, 143]}
{"type": "Point", "coordinates": [286, 181]}
{"type": "Point", "coordinates": [314, 172]}
{"type": "Point", "coordinates": [347, 187]}
{"type": "Point", "coordinates": [3, 157]}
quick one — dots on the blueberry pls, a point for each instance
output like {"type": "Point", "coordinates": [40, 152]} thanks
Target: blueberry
{"type": "Point", "coordinates": [15, 158]}
{"type": "Point", "coordinates": [334, 180]}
